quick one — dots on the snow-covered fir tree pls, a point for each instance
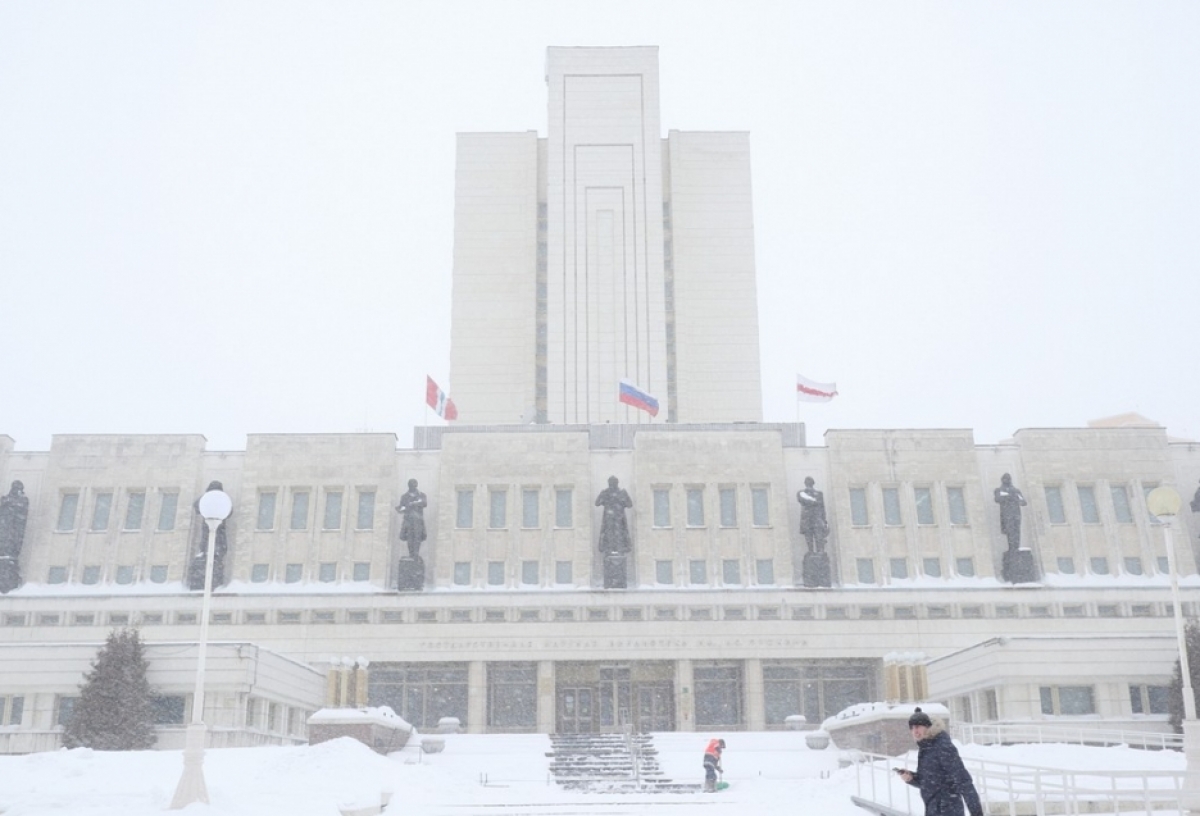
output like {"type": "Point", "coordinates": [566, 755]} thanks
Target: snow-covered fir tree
{"type": "Point", "coordinates": [115, 710]}
{"type": "Point", "coordinates": [1191, 636]}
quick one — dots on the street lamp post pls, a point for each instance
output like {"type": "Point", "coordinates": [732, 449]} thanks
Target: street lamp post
{"type": "Point", "coordinates": [1164, 502]}
{"type": "Point", "coordinates": [215, 506]}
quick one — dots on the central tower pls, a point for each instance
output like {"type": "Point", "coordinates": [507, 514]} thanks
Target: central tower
{"type": "Point", "coordinates": [605, 315]}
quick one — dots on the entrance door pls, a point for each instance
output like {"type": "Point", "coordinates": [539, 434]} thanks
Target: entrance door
{"type": "Point", "coordinates": [656, 708]}
{"type": "Point", "coordinates": [575, 711]}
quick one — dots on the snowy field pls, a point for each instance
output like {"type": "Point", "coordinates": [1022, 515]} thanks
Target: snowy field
{"type": "Point", "coordinates": [493, 774]}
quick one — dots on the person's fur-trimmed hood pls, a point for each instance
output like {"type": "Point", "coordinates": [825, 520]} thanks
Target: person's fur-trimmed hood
{"type": "Point", "coordinates": [936, 727]}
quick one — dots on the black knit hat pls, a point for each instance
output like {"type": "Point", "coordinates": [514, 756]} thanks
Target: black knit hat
{"type": "Point", "coordinates": [919, 717]}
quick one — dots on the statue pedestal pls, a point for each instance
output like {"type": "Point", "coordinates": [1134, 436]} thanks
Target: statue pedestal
{"type": "Point", "coordinates": [411, 574]}
{"type": "Point", "coordinates": [615, 571]}
{"type": "Point", "coordinates": [1018, 567]}
{"type": "Point", "coordinates": [10, 574]}
{"type": "Point", "coordinates": [817, 571]}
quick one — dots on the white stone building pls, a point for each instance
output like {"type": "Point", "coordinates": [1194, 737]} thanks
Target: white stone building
{"type": "Point", "coordinates": [555, 238]}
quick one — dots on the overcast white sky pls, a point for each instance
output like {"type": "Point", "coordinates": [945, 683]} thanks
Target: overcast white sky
{"type": "Point", "coordinates": [232, 218]}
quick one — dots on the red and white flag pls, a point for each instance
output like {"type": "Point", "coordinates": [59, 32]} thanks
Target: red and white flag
{"type": "Point", "coordinates": [437, 400]}
{"type": "Point", "coordinates": [810, 391]}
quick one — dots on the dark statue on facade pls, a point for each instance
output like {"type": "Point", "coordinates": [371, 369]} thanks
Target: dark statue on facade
{"type": "Point", "coordinates": [615, 542]}
{"type": "Point", "coordinates": [412, 532]}
{"type": "Point", "coordinates": [195, 575]}
{"type": "Point", "coordinates": [1011, 501]}
{"type": "Point", "coordinates": [1017, 564]}
{"type": "Point", "coordinates": [14, 512]}
{"type": "Point", "coordinates": [412, 511]}
{"type": "Point", "coordinates": [814, 526]}
{"type": "Point", "coordinates": [1196, 501]}
{"type": "Point", "coordinates": [614, 530]}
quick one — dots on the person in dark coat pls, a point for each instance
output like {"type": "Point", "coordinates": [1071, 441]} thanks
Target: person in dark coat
{"type": "Point", "coordinates": [941, 776]}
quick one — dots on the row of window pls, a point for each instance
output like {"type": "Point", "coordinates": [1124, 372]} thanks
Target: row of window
{"type": "Point", "coordinates": [102, 507]}
{"type": "Point", "coordinates": [956, 505]}
{"type": "Point", "coordinates": [171, 709]}
{"type": "Point", "coordinates": [563, 508]}
{"type": "Point", "coordinates": [664, 572]}
{"type": "Point", "coordinates": [931, 567]}
{"type": "Point", "coordinates": [1070, 701]}
{"type": "Point", "coordinates": [299, 513]}
{"type": "Point", "coordinates": [604, 614]}
{"type": "Point", "coordinates": [327, 572]}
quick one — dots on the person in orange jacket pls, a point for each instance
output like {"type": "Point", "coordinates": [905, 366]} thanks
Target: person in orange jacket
{"type": "Point", "coordinates": [712, 764]}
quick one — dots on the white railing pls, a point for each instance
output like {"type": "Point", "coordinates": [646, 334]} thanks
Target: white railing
{"type": "Point", "coordinates": [1015, 733]}
{"type": "Point", "coordinates": [1008, 789]}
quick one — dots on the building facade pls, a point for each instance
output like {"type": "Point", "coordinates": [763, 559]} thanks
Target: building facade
{"type": "Point", "coordinates": [598, 253]}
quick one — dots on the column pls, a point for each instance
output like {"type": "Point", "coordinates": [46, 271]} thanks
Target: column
{"type": "Point", "coordinates": [685, 697]}
{"type": "Point", "coordinates": [545, 697]}
{"type": "Point", "coordinates": [756, 717]}
{"type": "Point", "coordinates": [476, 697]}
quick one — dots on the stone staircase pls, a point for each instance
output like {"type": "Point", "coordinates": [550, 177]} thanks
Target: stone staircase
{"type": "Point", "coordinates": [610, 763]}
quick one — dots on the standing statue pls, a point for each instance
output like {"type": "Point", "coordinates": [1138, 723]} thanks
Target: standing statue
{"type": "Point", "coordinates": [1195, 500]}
{"type": "Point", "coordinates": [412, 509]}
{"type": "Point", "coordinates": [813, 524]}
{"type": "Point", "coordinates": [614, 530]}
{"type": "Point", "coordinates": [197, 567]}
{"type": "Point", "coordinates": [14, 512]}
{"type": "Point", "coordinates": [1011, 501]}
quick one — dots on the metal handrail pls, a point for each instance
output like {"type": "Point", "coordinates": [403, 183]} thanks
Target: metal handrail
{"type": "Point", "coordinates": [1010, 733]}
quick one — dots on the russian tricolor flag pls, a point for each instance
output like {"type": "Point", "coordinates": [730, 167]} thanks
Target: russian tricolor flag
{"type": "Point", "coordinates": [630, 394]}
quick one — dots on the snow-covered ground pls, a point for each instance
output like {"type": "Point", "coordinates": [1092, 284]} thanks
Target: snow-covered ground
{"type": "Point", "coordinates": [496, 774]}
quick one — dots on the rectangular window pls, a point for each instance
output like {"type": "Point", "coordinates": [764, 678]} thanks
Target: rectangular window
{"type": "Point", "coordinates": [728, 499]}
{"type": "Point", "coordinates": [1066, 565]}
{"type": "Point", "coordinates": [664, 572]}
{"type": "Point", "coordinates": [1087, 505]}
{"type": "Point", "coordinates": [57, 575]}
{"type": "Point", "coordinates": [764, 571]}
{"type": "Point", "coordinates": [158, 573]}
{"type": "Point", "coordinates": [1121, 509]}
{"type": "Point", "coordinates": [695, 507]}
{"type": "Point", "coordinates": [66, 709]}
{"type": "Point", "coordinates": [292, 573]}
{"type": "Point", "coordinates": [495, 573]}
{"type": "Point", "coordinates": [563, 516]}
{"type": "Point", "coordinates": [866, 570]}
{"type": "Point", "coordinates": [327, 573]}
{"type": "Point", "coordinates": [365, 519]}
{"type": "Point", "coordinates": [965, 567]}
{"type": "Point", "coordinates": [166, 511]}
{"type": "Point", "coordinates": [662, 507]}
{"type": "Point", "coordinates": [66, 512]}
{"type": "Point", "coordinates": [125, 574]}
{"type": "Point", "coordinates": [924, 499]}
{"type": "Point", "coordinates": [932, 567]}
{"type": "Point", "coordinates": [167, 709]}
{"type": "Point", "coordinates": [1133, 565]}
{"type": "Point", "coordinates": [16, 710]}
{"type": "Point", "coordinates": [529, 508]}
{"type": "Point", "coordinates": [858, 507]}
{"type": "Point", "coordinates": [134, 511]}
{"type": "Point", "coordinates": [1156, 700]}
{"type": "Point", "coordinates": [958, 505]}
{"type": "Point", "coordinates": [300, 510]}
{"type": "Point", "coordinates": [362, 570]}
{"type": "Point", "coordinates": [258, 573]}
{"type": "Point", "coordinates": [462, 573]}
{"type": "Point", "coordinates": [1100, 566]}
{"type": "Point", "coordinates": [464, 508]}
{"type": "Point", "coordinates": [1164, 565]}
{"type": "Point", "coordinates": [891, 507]}
{"type": "Point", "coordinates": [333, 510]}
{"type": "Point", "coordinates": [1054, 505]}
{"type": "Point", "coordinates": [497, 506]}
{"type": "Point", "coordinates": [101, 511]}
{"type": "Point", "coordinates": [759, 507]}
{"type": "Point", "coordinates": [1146, 488]}
{"type": "Point", "coordinates": [899, 567]}
{"type": "Point", "coordinates": [266, 511]}
{"type": "Point", "coordinates": [697, 572]}
{"type": "Point", "coordinates": [731, 572]}
{"type": "Point", "coordinates": [563, 572]}
{"type": "Point", "coordinates": [529, 573]}
{"type": "Point", "coordinates": [1075, 700]}
{"type": "Point", "coordinates": [91, 575]}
